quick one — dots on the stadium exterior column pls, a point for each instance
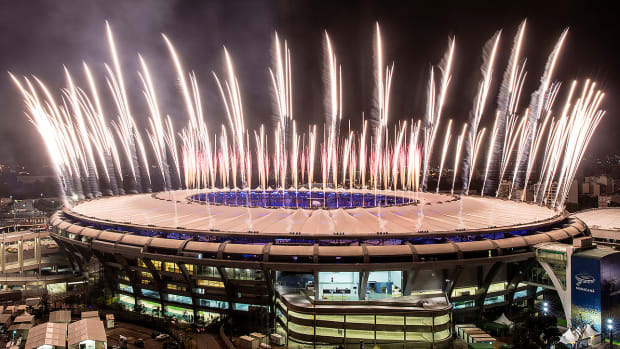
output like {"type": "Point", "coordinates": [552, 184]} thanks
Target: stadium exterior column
{"type": "Point", "coordinates": [37, 252]}
{"type": "Point", "coordinates": [316, 285]}
{"type": "Point", "coordinates": [20, 255]}
{"type": "Point", "coordinates": [191, 284]}
{"type": "Point", "coordinates": [131, 275]}
{"type": "Point", "coordinates": [481, 294]}
{"type": "Point", "coordinates": [362, 285]}
{"type": "Point", "coordinates": [158, 282]}
{"type": "Point", "coordinates": [563, 293]}
{"type": "Point", "coordinates": [2, 257]}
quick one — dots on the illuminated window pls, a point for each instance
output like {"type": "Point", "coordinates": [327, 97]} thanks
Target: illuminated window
{"type": "Point", "coordinates": [244, 274]}
{"type": "Point", "coordinates": [496, 287]}
{"type": "Point", "coordinates": [210, 283]}
{"type": "Point", "coordinates": [207, 271]}
{"type": "Point", "coordinates": [464, 291]}
{"type": "Point", "coordinates": [177, 287]}
{"type": "Point", "coordinates": [171, 267]}
{"type": "Point", "coordinates": [125, 288]}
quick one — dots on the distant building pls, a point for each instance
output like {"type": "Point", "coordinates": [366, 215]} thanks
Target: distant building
{"type": "Point", "coordinates": [573, 193]}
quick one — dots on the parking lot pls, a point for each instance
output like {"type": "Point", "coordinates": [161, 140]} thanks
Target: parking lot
{"type": "Point", "coordinates": [133, 332]}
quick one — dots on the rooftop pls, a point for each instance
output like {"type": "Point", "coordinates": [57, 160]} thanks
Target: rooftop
{"type": "Point", "coordinates": [60, 316]}
{"type": "Point", "coordinates": [86, 329]}
{"type": "Point", "coordinates": [48, 333]}
{"type": "Point", "coordinates": [434, 213]}
{"type": "Point", "coordinates": [602, 218]}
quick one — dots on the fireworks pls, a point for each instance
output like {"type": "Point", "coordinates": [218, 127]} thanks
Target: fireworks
{"type": "Point", "coordinates": [94, 154]}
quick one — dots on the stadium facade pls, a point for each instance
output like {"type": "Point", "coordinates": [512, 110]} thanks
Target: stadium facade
{"type": "Point", "coordinates": [397, 276]}
{"type": "Point", "coordinates": [31, 262]}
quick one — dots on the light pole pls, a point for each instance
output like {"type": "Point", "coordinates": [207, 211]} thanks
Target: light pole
{"type": "Point", "coordinates": [610, 327]}
{"type": "Point", "coordinates": [545, 308]}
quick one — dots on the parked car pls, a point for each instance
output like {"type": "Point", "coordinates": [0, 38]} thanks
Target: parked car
{"type": "Point", "coordinates": [162, 337]}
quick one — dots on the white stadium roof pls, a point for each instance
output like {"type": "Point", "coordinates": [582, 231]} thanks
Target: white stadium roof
{"type": "Point", "coordinates": [435, 213]}
{"type": "Point", "coordinates": [603, 218]}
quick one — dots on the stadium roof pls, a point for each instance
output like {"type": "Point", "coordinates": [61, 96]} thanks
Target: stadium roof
{"type": "Point", "coordinates": [603, 218]}
{"type": "Point", "coordinates": [435, 213]}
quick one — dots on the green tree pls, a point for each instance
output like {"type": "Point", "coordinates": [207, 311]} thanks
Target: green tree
{"type": "Point", "coordinates": [47, 205]}
{"type": "Point", "coordinates": [536, 332]}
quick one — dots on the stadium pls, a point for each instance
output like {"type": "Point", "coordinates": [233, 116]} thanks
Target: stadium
{"type": "Point", "coordinates": [359, 248]}
{"type": "Point", "coordinates": [395, 275]}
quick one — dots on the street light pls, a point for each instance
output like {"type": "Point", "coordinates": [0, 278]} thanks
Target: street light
{"type": "Point", "coordinates": [610, 327]}
{"type": "Point", "coordinates": [545, 308]}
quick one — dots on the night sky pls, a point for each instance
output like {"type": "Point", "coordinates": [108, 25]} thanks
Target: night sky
{"type": "Point", "coordinates": [39, 37]}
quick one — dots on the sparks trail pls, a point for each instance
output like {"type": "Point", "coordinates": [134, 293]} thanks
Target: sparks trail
{"type": "Point", "coordinates": [94, 153]}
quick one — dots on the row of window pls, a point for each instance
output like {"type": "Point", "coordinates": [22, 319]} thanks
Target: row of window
{"type": "Point", "coordinates": [204, 270]}
{"type": "Point", "coordinates": [154, 308]}
{"type": "Point", "coordinates": [376, 319]}
{"type": "Point", "coordinates": [391, 336]}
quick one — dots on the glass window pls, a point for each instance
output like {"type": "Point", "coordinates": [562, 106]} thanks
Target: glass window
{"type": "Point", "coordinates": [126, 301]}
{"type": "Point", "coordinates": [150, 307]}
{"type": "Point", "coordinates": [177, 287]}
{"type": "Point", "coordinates": [338, 286]}
{"type": "Point", "coordinates": [384, 284]}
{"type": "Point", "coordinates": [150, 293]}
{"type": "Point", "coordinates": [331, 332]}
{"type": "Point", "coordinates": [210, 283]}
{"type": "Point", "coordinates": [209, 303]}
{"type": "Point", "coordinates": [390, 320]}
{"type": "Point", "coordinates": [361, 319]}
{"type": "Point", "coordinates": [520, 294]}
{"type": "Point", "coordinates": [442, 319]}
{"type": "Point", "coordinates": [496, 287]}
{"type": "Point", "coordinates": [360, 334]}
{"type": "Point", "coordinates": [463, 304]}
{"type": "Point", "coordinates": [244, 274]}
{"type": "Point", "coordinates": [178, 299]}
{"type": "Point", "coordinates": [390, 335]}
{"type": "Point", "coordinates": [464, 291]}
{"type": "Point", "coordinates": [207, 271]}
{"type": "Point", "coordinates": [334, 318]}
{"type": "Point", "coordinates": [208, 316]}
{"type": "Point", "coordinates": [302, 315]}
{"type": "Point", "coordinates": [419, 320]}
{"type": "Point", "coordinates": [492, 300]}
{"type": "Point", "coordinates": [241, 306]}
{"type": "Point", "coordinates": [180, 313]}
{"type": "Point", "coordinates": [441, 335]}
{"type": "Point", "coordinates": [171, 267]}
{"type": "Point", "coordinates": [125, 288]}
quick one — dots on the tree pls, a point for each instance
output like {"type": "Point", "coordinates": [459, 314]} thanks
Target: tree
{"type": "Point", "coordinates": [536, 332]}
{"type": "Point", "coordinates": [138, 309]}
{"type": "Point", "coordinates": [47, 205]}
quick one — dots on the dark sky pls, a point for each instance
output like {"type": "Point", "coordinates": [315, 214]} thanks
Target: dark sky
{"type": "Point", "coordinates": [39, 37]}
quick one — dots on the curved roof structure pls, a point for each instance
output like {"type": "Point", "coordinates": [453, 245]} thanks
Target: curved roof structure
{"type": "Point", "coordinates": [602, 218]}
{"type": "Point", "coordinates": [439, 229]}
{"type": "Point", "coordinates": [434, 213]}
